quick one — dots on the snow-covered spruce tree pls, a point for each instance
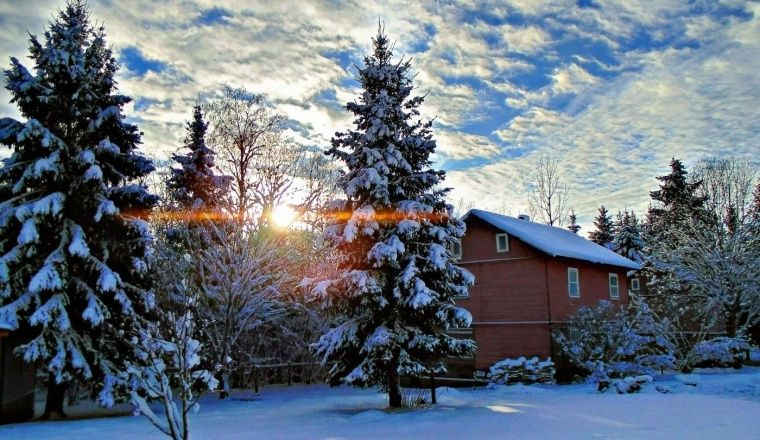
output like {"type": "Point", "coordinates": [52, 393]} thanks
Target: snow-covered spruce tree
{"type": "Point", "coordinates": [393, 232]}
{"type": "Point", "coordinates": [676, 202]}
{"type": "Point", "coordinates": [675, 220]}
{"type": "Point", "coordinates": [604, 232]}
{"type": "Point", "coordinates": [73, 260]}
{"type": "Point", "coordinates": [194, 186]}
{"type": "Point", "coordinates": [627, 240]}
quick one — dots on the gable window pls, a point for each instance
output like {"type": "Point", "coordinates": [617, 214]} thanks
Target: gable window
{"type": "Point", "coordinates": [456, 250]}
{"type": "Point", "coordinates": [614, 286]}
{"type": "Point", "coordinates": [573, 283]}
{"type": "Point", "coordinates": [502, 243]}
{"type": "Point", "coordinates": [635, 284]}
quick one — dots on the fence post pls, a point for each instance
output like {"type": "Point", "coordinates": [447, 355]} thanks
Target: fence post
{"type": "Point", "coordinates": [290, 373]}
{"type": "Point", "coordinates": [256, 379]}
{"type": "Point", "coordinates": [432, 387]}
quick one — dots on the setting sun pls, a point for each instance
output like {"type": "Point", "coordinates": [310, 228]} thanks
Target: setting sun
{"type": "Point", "coordinates": [283, 216]}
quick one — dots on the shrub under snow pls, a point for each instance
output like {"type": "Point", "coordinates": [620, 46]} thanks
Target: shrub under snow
{"type": "Point", "coordinates": [607, 342]}
{"type": "Point", "coordinates": [522, 370]}
{"type": "Point", "coordinates": [721, 352]}
{"type": "Point", "coordinates": [626, 385]}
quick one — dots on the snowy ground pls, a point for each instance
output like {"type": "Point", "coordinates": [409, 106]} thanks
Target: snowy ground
{"type": "Point", "coordinates": [724, 405]}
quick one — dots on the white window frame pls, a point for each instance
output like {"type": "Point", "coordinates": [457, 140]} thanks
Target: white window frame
{"type": "Point", "coordinates": [466, 296]}
{"type": "Point", "coordinates": [506, 241]}
{"type": "Point", "coordinates": [577, 282]}
{"type": "Point", "coordinates": [456, 250]}
{"type": "Point", "coordinates": [635, 286]}
{"type": "Point", "coordinates": [614, 288]}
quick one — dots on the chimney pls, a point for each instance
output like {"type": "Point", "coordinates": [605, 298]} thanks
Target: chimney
{"type": "Point", "coordinates": [525, 217]}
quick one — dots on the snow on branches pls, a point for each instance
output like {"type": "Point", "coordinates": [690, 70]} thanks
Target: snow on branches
{"type": "Point", "coordinates": [394, 293]}
{"type": "Point", "coordinates": [69, 238]}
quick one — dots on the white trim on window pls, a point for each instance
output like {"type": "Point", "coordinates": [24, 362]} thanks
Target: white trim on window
{"type": "Point", "coordinates": [456, 250]}
{"type": "Point", "coordinates": [502, 243]}
{"type": "Point", "coordinates": [465, 296]}
{"type": "Point", "coordinates": [614, 286]}
{"type": "Point", "coordinates": [635, 284]}
{"type": "Point", "coordinates": [573, 283]}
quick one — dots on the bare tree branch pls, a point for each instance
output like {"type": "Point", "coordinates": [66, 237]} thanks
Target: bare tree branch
{"type": "Point", "coordinates": [548, 200]}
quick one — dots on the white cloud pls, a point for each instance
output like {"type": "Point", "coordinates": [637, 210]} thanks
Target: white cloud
{"type": "Point", "coordinates": [459, 145]}
{"type": "Point", "coordinates": [571, 79]}
{"type": "Point", "coordinates": [525, 39]}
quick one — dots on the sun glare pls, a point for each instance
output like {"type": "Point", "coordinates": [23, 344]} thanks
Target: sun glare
{"type": "Point", "coordinates": [283, 216]}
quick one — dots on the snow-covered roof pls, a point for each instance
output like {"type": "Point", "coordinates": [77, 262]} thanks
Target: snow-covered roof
{"type": "Point", "coordinates": [556, 242]}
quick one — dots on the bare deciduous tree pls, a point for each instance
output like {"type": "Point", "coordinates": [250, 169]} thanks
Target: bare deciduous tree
{"type": "Point", "coordinates": [548, 199]}
{"type": "Point", "coordinates": [704, 283]}
{"type": "Point", "coordinates": [267, 167]}
{"type": "Point", "coordinates": [243, 128]}
{"type": "Point", "coordinates": [240, 277]}
{"type": "Point", "coordinates": [169, 369]}
{"type": "Point", "coordinates": [727, 185]}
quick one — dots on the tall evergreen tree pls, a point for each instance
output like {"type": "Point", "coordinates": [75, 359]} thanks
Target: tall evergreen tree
{"type": "Point", "coordinates": [573, 220]}
{"type": "Point", "coordinates": [73, 260]}
{"type": "Point", "coordinates": [676, 201]}
{"type": "Point", "coordinates": [194, 186]}
{"type": "Point", "coordinates": [604, 232]}
{"type": "Point", "coordinates": [393, 232]}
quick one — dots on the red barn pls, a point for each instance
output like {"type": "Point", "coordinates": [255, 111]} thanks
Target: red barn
{"type": "Point", "coordinates": [529, 277]}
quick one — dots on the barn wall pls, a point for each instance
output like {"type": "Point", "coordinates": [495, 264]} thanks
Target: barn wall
{"type": "Point", "coordinates": [512, 290]}
{"type": "Point", "coordinates": [519, 295]}
{"type": "Point", "coordinates": [479, 243]}
{"type": "Point", "coordinates": [499, 341]}
{"type": "Point", "coordinates": [594, 286]}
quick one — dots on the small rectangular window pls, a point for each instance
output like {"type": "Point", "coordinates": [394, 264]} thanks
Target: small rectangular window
{"type": "Point", "coordinates": [456, 250]}
{"type": "Point", "coordinates": [463, 295]}
{"type": "Point", "coordinates": [614, 286]}
{"type": "Point", "coordinates": [502, 243]}
{"type": "Point", "coordinates": [635, 284]}
{"type": "Point", "coordinates": [573, 283]}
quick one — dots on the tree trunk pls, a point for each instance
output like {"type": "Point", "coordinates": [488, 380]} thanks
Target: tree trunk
{"type": "Point", "coordinates": [224, 384]}
{"type": "Point", "coordinates": [394, 385]}
{"type": "Point", "coordinates": [56, 392]}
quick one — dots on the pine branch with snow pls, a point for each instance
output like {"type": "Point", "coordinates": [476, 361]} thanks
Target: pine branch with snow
{"type": "Point", "coordinates": [627, 240]}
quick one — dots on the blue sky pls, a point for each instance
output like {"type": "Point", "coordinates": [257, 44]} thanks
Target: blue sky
{"type": "Point", "coordinates": [612, 89]}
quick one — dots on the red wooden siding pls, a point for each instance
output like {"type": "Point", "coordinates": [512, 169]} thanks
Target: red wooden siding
{"type": "Point", "coordinates": [594, 286]}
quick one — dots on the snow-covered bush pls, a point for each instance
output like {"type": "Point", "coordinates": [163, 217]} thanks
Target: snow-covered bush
{"type": "Point", "coordinates": [522, 370]}
{"type": "Point", "coordinates": [721, 352]}
{"type": "Point", "coordinates": [625, 385]}
{"type": "Point", "coordinates": [609, 342]}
